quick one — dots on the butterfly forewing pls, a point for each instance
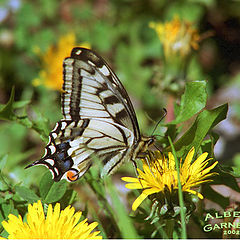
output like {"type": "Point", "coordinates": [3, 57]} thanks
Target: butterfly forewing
{"type": "Point", "coordinates": [92, 90]}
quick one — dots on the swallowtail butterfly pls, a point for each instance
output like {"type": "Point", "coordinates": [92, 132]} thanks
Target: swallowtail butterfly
{"type": "Point", "coordinates": [99, 120]}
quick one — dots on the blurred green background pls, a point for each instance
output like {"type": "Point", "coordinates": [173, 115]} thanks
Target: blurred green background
{"type": "Point", "coordinates": [120, 32]}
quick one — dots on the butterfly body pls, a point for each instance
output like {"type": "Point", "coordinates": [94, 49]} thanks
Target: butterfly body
{"type": "Point", "coordinates": [99, 121]}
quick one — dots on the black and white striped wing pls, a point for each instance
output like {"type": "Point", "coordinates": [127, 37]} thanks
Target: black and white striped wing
{"type": "Point", "coordinates": [92, 90]}
{"type": "Point", "coordinates": [99, 120]}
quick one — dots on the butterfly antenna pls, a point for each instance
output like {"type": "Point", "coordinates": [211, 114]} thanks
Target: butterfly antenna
{"type": "Point", "coordinates": [164, 115]}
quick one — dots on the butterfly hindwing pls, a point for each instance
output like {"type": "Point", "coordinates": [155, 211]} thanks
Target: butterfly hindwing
{"type": "Point", "coordinates": [73, 146]}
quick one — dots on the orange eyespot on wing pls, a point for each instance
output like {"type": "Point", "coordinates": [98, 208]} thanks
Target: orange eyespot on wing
{"type": "Point", "coordinates": [72, 175]}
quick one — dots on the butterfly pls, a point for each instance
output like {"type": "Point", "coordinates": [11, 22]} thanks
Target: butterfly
{"type": "Point", "coordinates": [99, 121]}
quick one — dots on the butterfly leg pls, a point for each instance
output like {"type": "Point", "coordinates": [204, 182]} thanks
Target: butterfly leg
{"type": "Point", "coordinates": [135, 167]}
{"type": "Point", "coordinates": [136, 172]}
{"type": "Point", "coordinates": [146, 159]}
{"type": "Point", "coordinates": [144, 155]}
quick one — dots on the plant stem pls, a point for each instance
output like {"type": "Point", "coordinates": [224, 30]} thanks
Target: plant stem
{"type": "Point", "coordinates": [180, 194]}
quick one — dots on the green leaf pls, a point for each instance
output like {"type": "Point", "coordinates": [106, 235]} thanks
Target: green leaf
{"type": "Point", "coordinates": [7, 208]}
{"type": "Point", "coordinates": [68, 198]}
{"type": "Point", "coordinates": [205, 121]}
{"type": "Point", "coordinates": [1, 218]}
{"type": "Point", "coordinates": [27, 194]}
{"type": "Point", "coordinates": [6, 113]}
{"type": "Point", "coordinates": [214, 196]}
{"type": "Point", "coordinates": [193, 100]}
{"type": "Point", "coordinates": [225, 176]}
{"type": "Point", "coordinates": [21, 104]}
{"type": "Point", "coordinates": [171, 132]}
{"type": "Point", "coordinates": [208, 144]}
{"type": "Point", "coordinates": [3, 182]}
{"type": "Point", "coordinates": [41, 125]}
{"type": "Point", "coordinates": [3, 160]}
{"type": "Point", "coordinates": [236, 172]}
{"type": "Point", "coordinates": [45, 184]}
{"type": "Point", "coordinates": [56, 192]}
{"type": "Point", "coordinates": [51, 191]}
{"type": "Point", "coordinates": [25, 121]}
{"type": "Point", "coordinates": [236, 169]}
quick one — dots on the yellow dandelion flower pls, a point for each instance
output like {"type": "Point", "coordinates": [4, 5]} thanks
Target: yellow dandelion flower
{"type": "Point", "coordinates": [57, 224]}
{"type": "Point", "coordinates": [177, 37]}
{"type": "Point", "coordinates": [160, 174]}
{"type": "Point", "coordinates": [52, 59]}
